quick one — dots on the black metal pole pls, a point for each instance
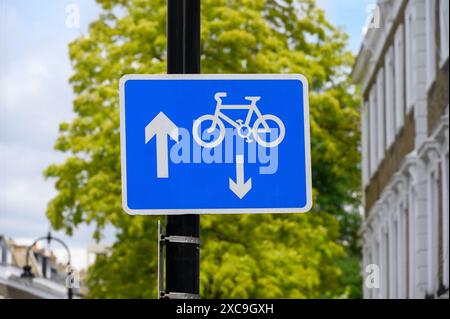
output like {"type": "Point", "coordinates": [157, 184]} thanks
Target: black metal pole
{"type": "Point", "coordinates": [183, 56]}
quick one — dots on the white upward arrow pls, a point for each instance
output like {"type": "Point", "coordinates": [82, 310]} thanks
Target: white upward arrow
{"type": "Point", "coordinates": [239, 187]}
{"type": "Point", "coordinates": [161, 126]}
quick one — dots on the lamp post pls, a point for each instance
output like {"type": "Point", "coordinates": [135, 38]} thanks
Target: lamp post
{"type": "Point", "coordinates": [27, 270]}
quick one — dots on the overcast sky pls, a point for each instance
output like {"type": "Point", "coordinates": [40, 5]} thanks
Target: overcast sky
{"type": "Point", "coordinates": [35, 97]}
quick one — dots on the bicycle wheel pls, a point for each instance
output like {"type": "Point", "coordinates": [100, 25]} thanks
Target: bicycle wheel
{"type": "Point", "coordinates": [197, 135]}
{"type": "Point", "coordinates": [256, 130]}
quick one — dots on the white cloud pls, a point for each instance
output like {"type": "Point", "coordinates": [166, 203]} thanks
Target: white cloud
{"type": "Point", "coordinates": [39, 69]}
{"type": "Point", "coordinates": [78, 256]}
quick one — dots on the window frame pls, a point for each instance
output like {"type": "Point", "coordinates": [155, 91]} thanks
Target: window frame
{"type": "Point", "coordinates": [373, 130]}
{"type": "Point", "coordinates": [445, 213]}
{"type": "Point", "coordinates": [366, 142]}
{"type": "Point", "coordinates": [409, 57]}
{"type": "Point", "coordinates": [390, 96]}
{"type": "Point", "coordinates": [381, 113]}
{"type": "Point", "coordinates": [431, 42]}
{"type": "Point", "coordinates": [399, 56]}
{"type": "Point", "coordinates": [433, 236]}
{"type": "Point", "coordinates": [444, 31]}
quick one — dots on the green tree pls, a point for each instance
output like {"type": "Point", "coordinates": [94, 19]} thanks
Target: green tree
{"type": "Point", "coordinates": [306, 255]}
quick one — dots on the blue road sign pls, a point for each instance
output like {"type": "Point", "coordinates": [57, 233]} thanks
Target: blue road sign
{"type": "Point", "coordinates": [199, 144]}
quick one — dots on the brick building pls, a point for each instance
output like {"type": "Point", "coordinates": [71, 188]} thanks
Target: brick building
{"type": "Point", "coordinates": [402, 69]}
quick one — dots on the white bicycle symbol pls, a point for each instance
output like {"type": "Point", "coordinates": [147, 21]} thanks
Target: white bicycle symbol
{"type": "Point", "coordinates": [243, 128]}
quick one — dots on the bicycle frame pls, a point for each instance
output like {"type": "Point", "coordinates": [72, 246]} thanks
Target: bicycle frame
{"type": "Point", "coordinates": [252, 108]}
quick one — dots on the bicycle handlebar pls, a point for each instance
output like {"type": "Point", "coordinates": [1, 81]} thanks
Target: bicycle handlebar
{"type": "Point", "coordinates": [219, 95]}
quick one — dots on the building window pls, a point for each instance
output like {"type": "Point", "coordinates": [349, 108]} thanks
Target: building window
{"type": "Point", "coordinates": [431, 41]}
{"type": "Point", "coordinates": [409, 50]}
{"type": "Point", "coordinates": [365, 142]}
{"type": "Point", "coordinates": [381, 114]}
{"type": "Point", "coordinates": [381, 254]}
{"type": "Point", "coordinates": [399, 84]}
{"type": "Point", "coordinates": [390, 97]}
{"type": "Point", "coordinates": [376, 260]}
{"type": "Point", "coordinates": [406, 254]}
{"type": "Point", "coordinates": [393, 257]}
{"type": "Point", "coordinates": [373, 131]}
{"type": "Point", "coordinates": [433, 207]}
{"type": "Point", "coordinates": [402, 252]}
{"type": "Point", "coordinates": [445, 221]}
{"type": "Point", "coordinates": [443, 22]}
{"type": "Point", "coordinates": [412, 196]}
{"type": "Point", "coordinates": [385, 267]}
{"type": "Point", "coordinates": [368, 261]}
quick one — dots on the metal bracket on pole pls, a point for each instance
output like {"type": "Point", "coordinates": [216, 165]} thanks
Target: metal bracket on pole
{"type": "Point", "coordinates": [179, 295]}
{"type": "Point", "coordinates": [162, 240]}
{"type": "Point", "coordinates": [182, 239]}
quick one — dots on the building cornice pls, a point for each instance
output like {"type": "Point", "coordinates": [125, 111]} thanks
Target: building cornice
{"type": "Point", "coordinates": [371, 50]}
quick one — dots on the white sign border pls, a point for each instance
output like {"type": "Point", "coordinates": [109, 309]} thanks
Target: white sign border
{"type": "Point", "coordinates": [208, 211]}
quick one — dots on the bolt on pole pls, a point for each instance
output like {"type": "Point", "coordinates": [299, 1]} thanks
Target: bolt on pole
{"type": "Point", "coordinates": [183, 57]}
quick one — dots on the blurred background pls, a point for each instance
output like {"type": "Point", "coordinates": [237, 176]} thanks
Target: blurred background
{"type": "Point", "coordinates": [60, 62]}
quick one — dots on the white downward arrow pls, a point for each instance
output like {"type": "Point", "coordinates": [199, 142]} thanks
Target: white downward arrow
{"type": "Point", "coordinates": [239, 187]}
{"type": "Point", "coordinates": [161, 126]}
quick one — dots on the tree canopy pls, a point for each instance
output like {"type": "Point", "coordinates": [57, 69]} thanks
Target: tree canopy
{"type": "Point", "coordinates": [311, 255]}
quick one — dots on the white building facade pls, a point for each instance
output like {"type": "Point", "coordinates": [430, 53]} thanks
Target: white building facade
{"type": "Point", "coordinates": [403, 72]}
